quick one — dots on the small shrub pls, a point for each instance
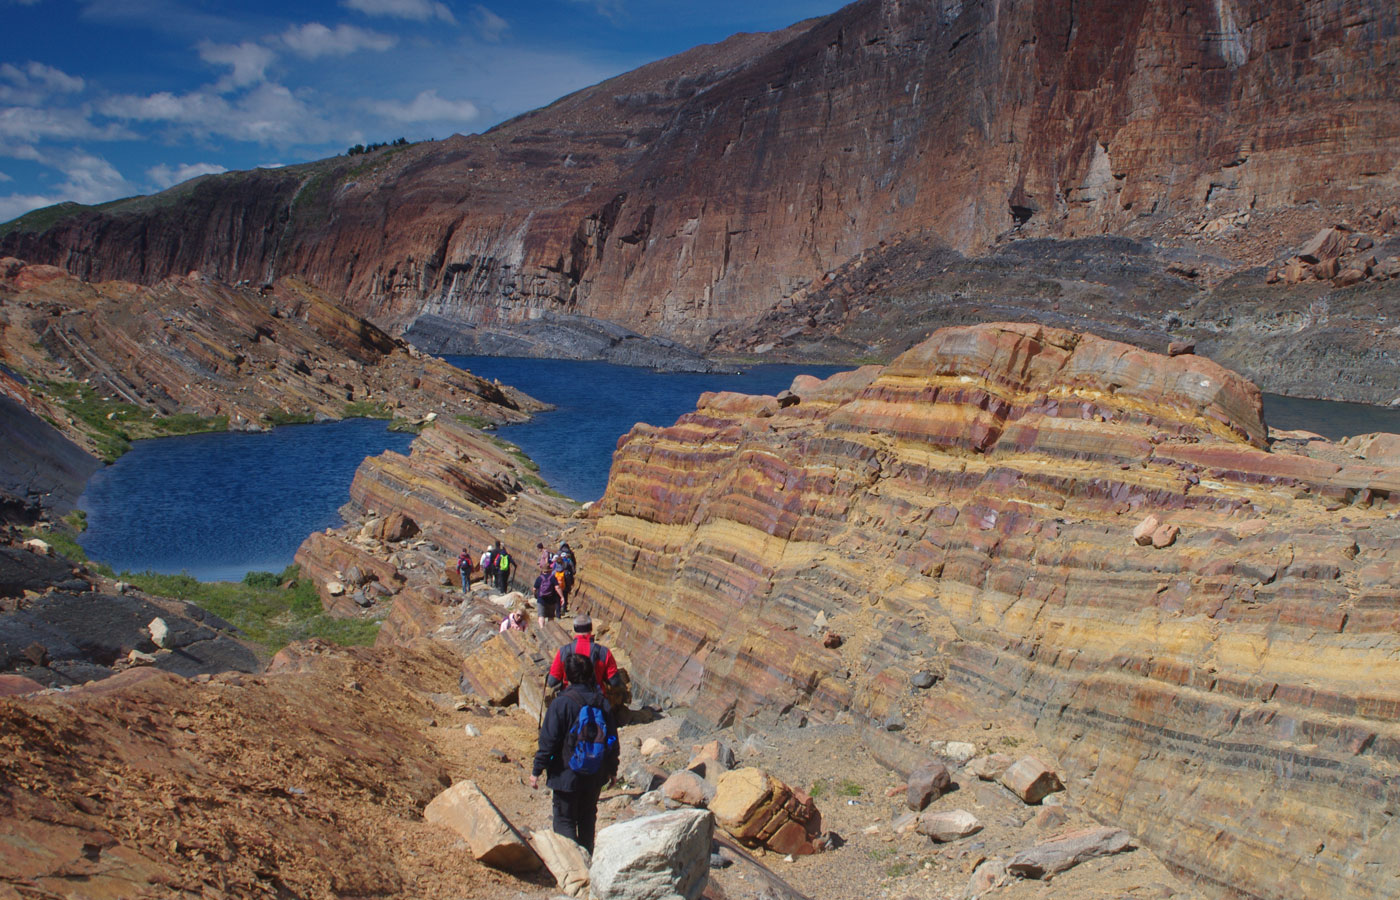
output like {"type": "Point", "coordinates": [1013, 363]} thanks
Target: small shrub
{"type": "Point", "coordinates": [76, 520]}
{"type": "Point", "coordinates": [899, 869]}
{"type": "Point", "coordinates": [278, 416]}
{"type": "Point", "coordinates": [478, 422]}
{"type": "Point", "coordinates": [366, 409]}
{"type": "Point", "coordinates": [850, 789]}
{"type": "Point", "coordinates": [818, 788]}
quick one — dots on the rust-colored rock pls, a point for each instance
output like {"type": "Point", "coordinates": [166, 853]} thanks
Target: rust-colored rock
{"type": "Point", "coordinates": [1031, 780]}
{"type": "Point", "coordinates": [759, 810]}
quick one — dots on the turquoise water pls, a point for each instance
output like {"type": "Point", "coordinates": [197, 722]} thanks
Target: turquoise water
{"type": "Point", "coordinates": [220, 505]}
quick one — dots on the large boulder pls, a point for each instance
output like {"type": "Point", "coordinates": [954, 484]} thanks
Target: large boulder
{"type": "Point", "coordinates": [493, 840]}
{"type": "Point", "coordinates": [926, 784]}
{"type": "Point", "coordinates": [1031, 780]}
{"type": "Point", "coordinates": [948, 825]}
{"type": "Point", "coordinates": [661, 857]}
{"type": "Point", "coordinates": [688, 789]}
{"type": "Point", "coordinates": [759, 810]}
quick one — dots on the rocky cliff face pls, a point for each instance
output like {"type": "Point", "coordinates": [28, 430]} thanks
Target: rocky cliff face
{"type": "Point", "coordinates": [1067, 529]}
{"type": "Point", "coordinates": [699, 191]}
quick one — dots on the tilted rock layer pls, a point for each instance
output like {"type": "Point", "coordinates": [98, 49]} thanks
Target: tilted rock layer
{"type": "Point", "coordinates": [702, 189]}
{"type": "Point", "coordinates": [1232, 696]}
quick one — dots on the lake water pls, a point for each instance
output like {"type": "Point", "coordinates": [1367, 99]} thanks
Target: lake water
{"type": "Point", "coordinates": [220, 505]}
{"type": "Point", "coordinates": [596, 403]}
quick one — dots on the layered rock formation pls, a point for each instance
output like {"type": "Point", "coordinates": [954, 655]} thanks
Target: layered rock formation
{"type": "Point", "coordinates": [701, 190]}
{"type": "Point", "coordinates": [1226, 692]}
{"type": "Point", "coordinates": [244, 358]}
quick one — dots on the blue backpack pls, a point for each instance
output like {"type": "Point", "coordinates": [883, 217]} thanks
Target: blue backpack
{"type": "Point", "coordinates": [591, 740]}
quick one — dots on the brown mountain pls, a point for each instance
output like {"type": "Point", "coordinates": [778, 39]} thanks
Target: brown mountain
{"type": "Point", "coordinates": [700, 191]}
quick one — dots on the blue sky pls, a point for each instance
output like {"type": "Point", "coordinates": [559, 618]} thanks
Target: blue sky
{"type": "Point", "coordinates": [102, 99]}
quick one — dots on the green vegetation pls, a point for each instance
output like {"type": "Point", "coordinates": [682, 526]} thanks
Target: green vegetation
{"type": "Point", "coordinates": [268, 614]}
{"type": "Point", "coordinates": [899, 869]}
{"type": "Point", "coordinates": [279, 416]}
{"type": "Point", "coordinates": [408, 426]}
{"type": "Point", "coordinates": [1010, 741]}
{"type": "Point", "coordinates": [113, 425]}
{"type": "Point", "coordinates": [849, 788]}
{"type": "Point", "coordinates": [76, 520]}
{"type": "Point", "coordinates": [478, 422]}
{"type": "Point", "coordinates": [65, 543]}
{"type": "Point", "coordinates": [359, 149]}
{"type": "Point", "coordinates": [367, 409]}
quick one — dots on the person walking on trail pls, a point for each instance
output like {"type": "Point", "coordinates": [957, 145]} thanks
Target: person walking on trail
{"type": "Point", "coordinates": [578, 752]}
{"type": "Point", "coordinates": [488, 558]}
{"type": "Point", "coordinates": [566, 565]}
{"type": "Point", "coordinates": [503, 566]}
{"type": "Point", "coordinates": [599, 657]}
{"type": "Point", "coordinates": [515, 620]}
{"type": "Point", "coordinates": [464, 569]}
{"type": "Point", "coordinates": [546, 598]}
{"type": "Point", "coordinates": [546, 558]}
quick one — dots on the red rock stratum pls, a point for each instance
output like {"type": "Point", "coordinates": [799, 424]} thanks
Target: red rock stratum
{"type": "Point", "coordinates": [702, 189]}
{"type": "Point", "coordinates": [1229, 689]}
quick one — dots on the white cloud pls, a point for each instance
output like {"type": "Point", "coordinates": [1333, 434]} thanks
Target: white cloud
{"type": "Point", "coordinates": [608, 9]}
{"type": "Point", "coordinates": [268, 114]}
{"type": "Point", "coordinates": [248, 60]}
{"type": "Point", "coordinates": [27, 124]}
{"type": "Point", "coordinates": [489, 25]}
{"type": "Point", "coordinates": [20, 151]}
{"type": "Point", "coordinates": [88, 179]}
{"type": "Point", "coordinates": [428, 107]}
{"type": "Point", "coordinates": [418, 10]}
{"type": "Point", "coordinates": [4, 177]}
{"type": "Point", "coordinates": [164, 176]}
{"type": "Point", "coordinates": [35, 84]}
{"type": "Point", "coordinates": [314, 39]}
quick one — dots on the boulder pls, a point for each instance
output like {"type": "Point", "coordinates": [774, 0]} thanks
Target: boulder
{"type": "Point", "coordinates": [1051, 857]}
{"type": "Point", "coordinates": [651, 746]}
{"type": "Point", "coordinates": [160, 633]}
{"type": "Point", "coordinates": [1142, 534]}
{"type": "Point", "coordinates": [1326, 244]}
{"type": "Point", "coordinates": [566, 861]}
{"type": "Point", "coordinates": [1165, 536]}
{"type": "Point", "coordinates": [1348, 277]}
{"type": "Point", "coordinates": [493, 840]}
{"type": "Point", "coordinates": [35, 545]}
{"type": "Point", "coordinates": [948, 825]}
{"type": "Point", "coordinates": [1181, 348]}
{"type": "Point", "coordinates": [923, 680]}
{"type": "Point", "coordinates": [1030, 779]}
{"type": "Point", "coordinates": [17, 685]}
{"type": "Point", "coordinates": [716, 757]}
{"type": "Point", "coordinates": [688, 789]}
{"type": "Point", "coordinates": [956, 752]}
{"type": "Point", "coordinates": [991, 767]}
{"type": "Point", "coordinates": [926, 784]}
{"type": "Point", "coordinates": [1326, 269]}
{"type": "Point", "coordinates": [660, 857]}
{"type": "Point", "coordinates": [988, 875]}
{"type": "Point", "coordinates": [395, 527]}
{"type": "Point", "coordinates": [644, 776]}
{"type": "Point", "coordinates": [759, 810]}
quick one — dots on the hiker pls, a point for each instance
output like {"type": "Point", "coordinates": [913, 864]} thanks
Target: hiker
{"type": "Point", "coordinates": [546, 558]}
{"type": "Point", "coordinates": [502, 567]}
{"type": "Point", "coordinates": [464, 569]}
{"type": "Point", "coordinates": [515, 620]}
{"type": "Point", "coordinates": [577, 752]}
{"type": "Point", "coordinates": [546, 598]}
{"type": "Point", "coordinates": [565, 564]}
{"type": "Point", "coordinates": [488, 557]}
{"type": "Point", "coordinates": [604, 666]}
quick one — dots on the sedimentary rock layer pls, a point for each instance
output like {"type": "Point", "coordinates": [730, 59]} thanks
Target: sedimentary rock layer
{"type": "Point", "coordinates": [1230, 690]}
{"type": "Point", "coordinates": [700, 190]}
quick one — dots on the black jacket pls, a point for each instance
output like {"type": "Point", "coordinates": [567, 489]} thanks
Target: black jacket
{"type": "Point", "coordinates": [559, 718]}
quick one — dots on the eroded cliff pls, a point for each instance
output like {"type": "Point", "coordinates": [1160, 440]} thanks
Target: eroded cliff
{"type": "Point", "coordinates": [1221, 680]}
{"type": "Point", "coordinates": [699, 191]}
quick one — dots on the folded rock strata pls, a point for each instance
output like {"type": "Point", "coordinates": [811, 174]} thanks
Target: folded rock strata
{"type": "Point", "coordinates": [974, 503]}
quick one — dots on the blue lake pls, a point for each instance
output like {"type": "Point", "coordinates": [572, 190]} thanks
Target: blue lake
{"type": "Point", "coordinates": [220, 505]}
{"type": "Point", "coordinates": [596, 403]}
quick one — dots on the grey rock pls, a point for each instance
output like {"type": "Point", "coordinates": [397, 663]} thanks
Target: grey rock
{"type": "Point", "coordinates": [660, 857]}
{"type": "Point", "coordinates": [926, 784]}
{"type": "Point", "coordinates": [923, 680]}
{"type": "Point", "coordinates": [1052, 857]}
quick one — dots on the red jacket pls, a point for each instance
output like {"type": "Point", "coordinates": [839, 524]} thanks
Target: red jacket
{"type": "Point", "coordinates": [604, 666]}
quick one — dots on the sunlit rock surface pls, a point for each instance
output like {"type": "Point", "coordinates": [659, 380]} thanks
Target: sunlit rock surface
{"type": "Point", "coordinates": [1232, 697]}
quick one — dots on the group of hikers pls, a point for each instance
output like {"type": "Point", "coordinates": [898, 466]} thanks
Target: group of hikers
{"type": "Point", "coordinates": [578, 750]}
{"type": "Point", "coordinates": [553, 585]}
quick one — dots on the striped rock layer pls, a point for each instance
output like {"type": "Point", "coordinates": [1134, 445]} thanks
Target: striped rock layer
{"type": "Point", "coordinates": [1232, 697]}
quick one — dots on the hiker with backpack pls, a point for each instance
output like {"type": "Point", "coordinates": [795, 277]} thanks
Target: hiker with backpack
{"type": "Point", "coordinates": [464, 569]}
{"type": "Point", "coordinates": [565, 566]}
{"type": "Point", "coordinates": [604, 667]}
{"type": "Point", "coordinates": [502, 568]}
{"type": "Point", "coordinates": [546, 598]}
{"type": "Point", "coordinates": [488, 559]}
{"type": "Point", "coordinates": [578, 752]}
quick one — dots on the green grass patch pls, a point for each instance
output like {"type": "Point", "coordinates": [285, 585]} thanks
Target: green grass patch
{"type": "Point", "coordinates": [899, 869]}
{"type": "Point", "coordinates": [76, 520]}
{"type": "Point", "coordinates": [279, 416]}
{"type": "Point", "coordinates": [366, 409]}
{"type": "Point", "coordinates": [478, 422]}
{"type": "Point", "coordinates": [849, 788]}
{"type": "Point", "coordinates": [113, 424]}
{"type": "Point", "coordinates": [408, 426]}
{"type": "Point", "coordinates": [268, 614]}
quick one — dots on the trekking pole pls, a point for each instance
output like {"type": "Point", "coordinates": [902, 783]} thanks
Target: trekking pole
{"type": "Point", "coordinates": [544, 694]}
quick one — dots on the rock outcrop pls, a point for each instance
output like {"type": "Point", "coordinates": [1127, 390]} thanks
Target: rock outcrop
{"type": "Point", "coordinates": [701, 190]}
{"type": "Point", "coordinates": [973, 503]}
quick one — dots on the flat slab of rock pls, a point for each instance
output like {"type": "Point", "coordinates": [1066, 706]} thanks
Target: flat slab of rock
{"type": "Point", "coordinates": [566, 861]}
{"type": "Point", "coordinates": [1030, 779]}
{"type": "Point", "coordinates": [1051, 857]}
{"type": "Point", "coordinates": [661, 857]}
{"type": "Point", "coordinates": [467, 810]}
{"type": "Point", "coordinates": [687, 788]}
{"type": "Point", "coordinates": [991, 767]}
